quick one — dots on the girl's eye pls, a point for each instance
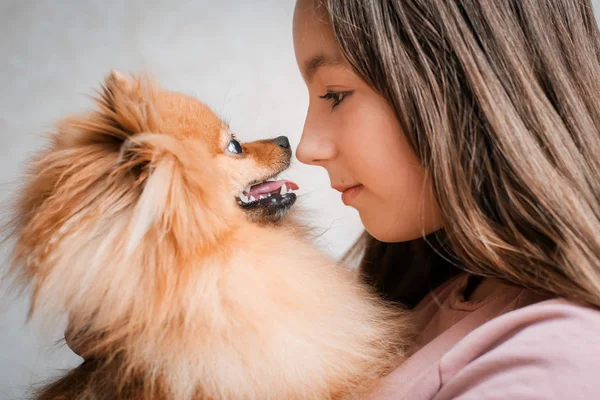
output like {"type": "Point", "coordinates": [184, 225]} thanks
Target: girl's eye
{"type": "Point", "coordinates": [234, 147]}
{"type": "Point", "coordinates": [335, 98]}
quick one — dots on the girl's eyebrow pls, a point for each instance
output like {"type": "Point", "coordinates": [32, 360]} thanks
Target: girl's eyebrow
{"type": "Point", "coordinates": [320, 60]}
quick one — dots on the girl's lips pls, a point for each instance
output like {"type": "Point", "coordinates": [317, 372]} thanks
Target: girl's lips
{"type": "Point", "coordinates": [348, 195]}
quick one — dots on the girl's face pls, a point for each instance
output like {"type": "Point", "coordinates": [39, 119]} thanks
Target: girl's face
{"type": "Point", "coordinates": [352, 132]}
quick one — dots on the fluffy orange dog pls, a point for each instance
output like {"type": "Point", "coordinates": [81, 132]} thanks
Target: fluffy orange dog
{"type": "Point", "coordinates": [164, 241]}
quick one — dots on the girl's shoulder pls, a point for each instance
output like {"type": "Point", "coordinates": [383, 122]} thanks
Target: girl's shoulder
{"type": "Point", "coordinates": [547, 350]}
{"type": "Point", "coordinates": [514, 344]}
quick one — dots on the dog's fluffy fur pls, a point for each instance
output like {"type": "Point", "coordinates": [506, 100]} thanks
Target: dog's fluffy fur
{"type": "Point", "coordinates": [128, 223]}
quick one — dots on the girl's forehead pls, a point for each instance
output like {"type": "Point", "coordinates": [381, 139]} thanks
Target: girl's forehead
{"type": "Point", "coordinates": [314, 43]}
{"type": "Point", "coordinates": [310, 24]}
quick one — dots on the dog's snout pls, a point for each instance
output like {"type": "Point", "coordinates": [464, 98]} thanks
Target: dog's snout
{"type": "Point", "coordinates": [282, 141]}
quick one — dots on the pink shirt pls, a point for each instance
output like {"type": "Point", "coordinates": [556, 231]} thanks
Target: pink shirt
{"type": "Point", "coordinates": [511, 345]}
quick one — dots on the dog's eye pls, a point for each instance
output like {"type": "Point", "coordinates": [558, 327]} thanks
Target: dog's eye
{"type": "Point", "coordinates": [234, 147]}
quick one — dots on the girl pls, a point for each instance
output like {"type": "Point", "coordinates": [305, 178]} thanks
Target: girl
{"type": "Point", "coordinates": [466, 134]}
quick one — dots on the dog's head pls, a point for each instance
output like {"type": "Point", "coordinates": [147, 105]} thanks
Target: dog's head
{"type": "Point", "coordinates": [155, 124]}
{"type": "Point", "coordinates": [150, 177]}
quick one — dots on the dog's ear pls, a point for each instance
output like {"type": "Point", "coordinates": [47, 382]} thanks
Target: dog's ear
{"type": "Point", "coordinates": [128, 105]}
{"type": "Point", "coordinates": [118, 79]}
{"type": "Point", "coordinates": [127, 108]}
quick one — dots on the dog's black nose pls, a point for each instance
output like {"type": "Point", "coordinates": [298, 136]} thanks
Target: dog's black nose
{"type": "Point", "coordinates": [282, 141]}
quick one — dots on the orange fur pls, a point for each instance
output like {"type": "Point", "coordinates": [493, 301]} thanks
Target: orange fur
{"type": "Point", "coordinates": [128, 224]}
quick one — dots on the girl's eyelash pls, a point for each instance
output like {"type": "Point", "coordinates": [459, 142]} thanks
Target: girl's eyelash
{"type": "Point", "coordinates": [335, 97]}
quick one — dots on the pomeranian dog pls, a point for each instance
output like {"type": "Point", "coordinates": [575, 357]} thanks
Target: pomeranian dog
{"type": "Point", "coordinates": [166, 242]}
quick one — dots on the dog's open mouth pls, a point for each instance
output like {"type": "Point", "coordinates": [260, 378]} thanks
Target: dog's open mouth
{"type": "Point", "coordinates": [271, 194]}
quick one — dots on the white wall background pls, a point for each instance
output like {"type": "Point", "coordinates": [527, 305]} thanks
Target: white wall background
{"type": "Point", "coordinates": [236, 55]}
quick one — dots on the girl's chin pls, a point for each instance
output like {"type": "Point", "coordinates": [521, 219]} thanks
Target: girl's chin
{"type": "Point", "coordinates": [386, 227]}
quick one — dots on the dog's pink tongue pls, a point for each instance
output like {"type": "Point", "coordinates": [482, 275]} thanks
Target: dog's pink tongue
{"type": "Point", "coordinates": [268, 187]}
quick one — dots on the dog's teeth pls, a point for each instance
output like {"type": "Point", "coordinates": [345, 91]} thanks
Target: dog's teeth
{"type": "Point", "coordinates": [252, 198]}
{"type": "Point", "coordinates": [262, 197]}
{"type": "Point", "coordinates": [243, 198]}
{"type": "Point", "coordinates": [283, 189]}
{"type": "Point", "coordinates": [268, 194]}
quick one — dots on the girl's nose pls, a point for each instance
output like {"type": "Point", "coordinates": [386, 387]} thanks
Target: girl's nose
{"type": "Point", "coordinates": [315, 147]}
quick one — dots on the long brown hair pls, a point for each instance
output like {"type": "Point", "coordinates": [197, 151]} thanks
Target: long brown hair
{"type": "Point", "coordinates": [499, 100]}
